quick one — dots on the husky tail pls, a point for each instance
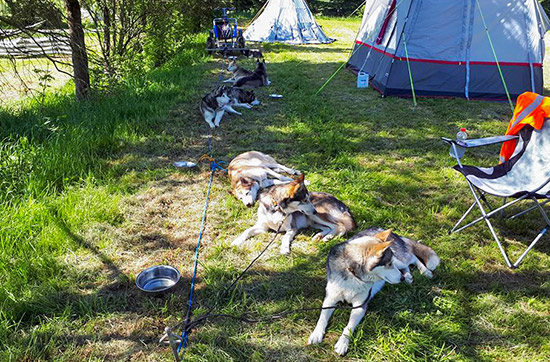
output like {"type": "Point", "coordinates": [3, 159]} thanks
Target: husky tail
{"type": "Point", "coordinates": [345, 223]}
{"type": "Point", "coordinates": [426, 255]}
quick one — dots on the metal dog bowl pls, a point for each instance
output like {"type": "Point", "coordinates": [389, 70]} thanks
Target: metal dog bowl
{"type": "Point", "coordinates": [158, 278]}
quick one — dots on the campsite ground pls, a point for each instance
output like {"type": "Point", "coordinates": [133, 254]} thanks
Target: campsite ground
{"type": "Point", "coordinates": [70, 256]}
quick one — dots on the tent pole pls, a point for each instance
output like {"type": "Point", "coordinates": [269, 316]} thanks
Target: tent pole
{"type": "Point", "coordinates": [402, 35]}
{"type": "Point", "coordinates": [410, 73]}
{"type": "Point", "coordinates": [496, 59]}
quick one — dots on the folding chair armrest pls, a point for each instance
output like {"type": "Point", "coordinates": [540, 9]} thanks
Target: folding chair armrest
{"type": "Point", "coordinates": [477, 142]}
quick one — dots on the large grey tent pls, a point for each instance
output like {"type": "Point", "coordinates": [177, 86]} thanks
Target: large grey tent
{"type": "Point", "coordinates": [452, 47]}
{"type": "Point", "coordinates": [286, 21]}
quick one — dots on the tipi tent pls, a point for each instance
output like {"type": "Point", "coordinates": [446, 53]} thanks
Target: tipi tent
{"type": "Point", "coordinates": [286, 21]}
{"type": "Point", "coordinates": [452, 47]}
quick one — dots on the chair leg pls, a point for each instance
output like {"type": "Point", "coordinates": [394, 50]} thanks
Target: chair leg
{"type": "Point", "coordinates": [463, 217]}
{"type": "Point", "coordinates": [531, 246]}
{"type": "Point", "coordinates": [484, 215]}
{"type": "Point", "coordinates": [484, 199]}
{"type": "Point", "coordinates": [540, 235]}
{"type": "Point", "coordinates": [528, 209]}
{"type": "Point", "coordinates": [502, 211]}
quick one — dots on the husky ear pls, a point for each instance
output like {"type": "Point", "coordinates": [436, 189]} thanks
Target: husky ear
{"type": "Point", "coordinates": [294, 186]}
{"type": "Point", "coordinates": [384, 235]}
{"type": "Point", "coordinates": [381, 248]}
{"type": "Point", "coordinates": [300, 178]}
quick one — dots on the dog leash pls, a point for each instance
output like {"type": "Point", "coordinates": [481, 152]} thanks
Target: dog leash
{"type": "Point", "coordinates": [243, 318]}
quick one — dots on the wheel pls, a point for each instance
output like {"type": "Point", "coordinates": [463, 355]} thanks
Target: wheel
{"type": "Point", "coordinates": [209, 45]}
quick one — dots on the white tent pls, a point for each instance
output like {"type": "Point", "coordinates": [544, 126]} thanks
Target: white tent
{"type": "Point", "coordinates": [286, 21]}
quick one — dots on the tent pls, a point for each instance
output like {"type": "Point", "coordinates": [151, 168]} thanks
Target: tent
{"type": "Point", "coordinates": [286, 21]}
{"type": "Point", "coordinates": [452, 47]}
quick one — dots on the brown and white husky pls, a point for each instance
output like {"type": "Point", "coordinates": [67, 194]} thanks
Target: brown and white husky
{"type": "Point", "coordinates": [292, 208]}
{"type": "Point", "coordinates": [358, 268]}
{"type": "Point", "coordinates": [251, 171]}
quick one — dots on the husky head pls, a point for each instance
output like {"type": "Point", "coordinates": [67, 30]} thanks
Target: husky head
{"type": "Point", "coordinates": [222, 95]}
{"type": "Point", "coordinates": [232, 66]}
{"type": "Point", "coordinates": [293, 197]}
{"type": "Point", "coordinates": [246, 190]}
{"type": "Point", "coordinates": [248, 96]}
{"type": "Point", "coordinates": [379, 258]}
{"type": "Point", "coordinates": [261, 70]}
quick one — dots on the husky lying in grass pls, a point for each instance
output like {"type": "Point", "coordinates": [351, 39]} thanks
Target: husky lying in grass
{"type": "Point", "coordinates": [258, 78]}
{"type": "Point", "coordinates": [214, 105]}
{"type": "Point", "coordinates": [296, 208]}
{"type": "Point", "coordinates": [238, 71]}
{"type": "Point", "coordinates": [358, 268]}
{"type": "Point", "coordinates": [250, 171]}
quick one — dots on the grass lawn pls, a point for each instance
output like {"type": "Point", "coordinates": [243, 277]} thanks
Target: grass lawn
{"type": "Point", "coordinates": [98, 201]}
{"type": "Point", "coordinates": [15, 85]}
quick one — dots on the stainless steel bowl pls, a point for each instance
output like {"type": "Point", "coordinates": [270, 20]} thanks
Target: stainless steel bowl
{"type": "Point", "coordinates": [158, 278]}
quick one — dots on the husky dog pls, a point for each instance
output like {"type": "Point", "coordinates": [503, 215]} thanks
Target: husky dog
{"type": "Point", "coordinates": [240, 98]}
{"type": "Point", "coordinates": [224, 98]}
{"type": "Point", "coordinates": [407, 252]}
{"type": "Point", "coordinates": [238, 71]}
{"type": "Point", "coordinates": [292, 208]}
{"type": "Point", "coordinates": [357, 269]}
{"type": "Point", "coordinates": [250, 171]}
{"type": "Point", "coordinates": [213, 105]}
{"type": "Point", "coordinates": [258, 78]}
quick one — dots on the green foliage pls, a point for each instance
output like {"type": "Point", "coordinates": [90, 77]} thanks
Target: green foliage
{"type": "Point", "coordinates": [335, 7]}
{"type": "Point", "coordinates": [545, 5]}
{"type": "Point", "coordinates": [55, 181]}
{"type": "Point", "coordinates": [28, 12]}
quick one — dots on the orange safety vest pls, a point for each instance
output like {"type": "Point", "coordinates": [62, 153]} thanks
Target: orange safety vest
{"type": "Point", "coordinates": [531, 109]}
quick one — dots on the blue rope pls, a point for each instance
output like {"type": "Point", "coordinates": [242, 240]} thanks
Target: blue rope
{"type": "Point", "coordinates": [184, 334]}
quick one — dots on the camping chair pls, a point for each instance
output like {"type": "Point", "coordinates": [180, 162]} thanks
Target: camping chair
{"type": "Point", "coordinates": [524, 176]}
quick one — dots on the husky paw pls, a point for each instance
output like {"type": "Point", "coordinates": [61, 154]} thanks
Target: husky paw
{"type": "Point", "coordinates": [238, 241]}
{"type": "Point", "coordinates": [328, 237]}
{"type": "Point", "coordinates": [341, 347]}
{"type": "Point", "coordinates": [315, 337]}
{"type": "Point", "coordinates": [427, 273]}
{"type": "Point", "coordinates": [408, 278]}
{"type": "Point", "coordinates": [285, 250]}
{"type": "Point", "coordinates": [317, 237]}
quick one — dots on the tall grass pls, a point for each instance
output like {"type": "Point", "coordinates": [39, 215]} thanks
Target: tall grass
{"type": "Point", "coordinates": [54, 178]}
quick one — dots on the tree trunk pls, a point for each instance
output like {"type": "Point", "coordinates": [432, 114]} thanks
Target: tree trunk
{"type": "Point", "coordinates": [78, 48]}
{"type": "Point", "coordinates": [107, 30]}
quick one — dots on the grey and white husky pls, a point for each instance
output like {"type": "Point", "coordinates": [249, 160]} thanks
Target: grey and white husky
{"type": "Point", "coordinates": [357, 269]}
{"type": "Point", "coordinates": [238, 71]}
{"type": "Point", "coordinates": [214, 105]}
{"type": "Point", "coordinates": [258, 78]}
{"type": "Point", "coordinates": [251, 171]}
{"type": "Point", "coordinates": [294, 208]}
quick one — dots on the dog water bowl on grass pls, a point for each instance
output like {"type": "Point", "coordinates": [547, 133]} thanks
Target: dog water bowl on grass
{"type": "Point", "coordinates": [184, 164]}
{"type": "Point", "coordinates": [158, 278]}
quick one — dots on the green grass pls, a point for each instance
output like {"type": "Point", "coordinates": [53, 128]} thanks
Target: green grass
{"type": "Point", "coordinates": [90, 199]}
